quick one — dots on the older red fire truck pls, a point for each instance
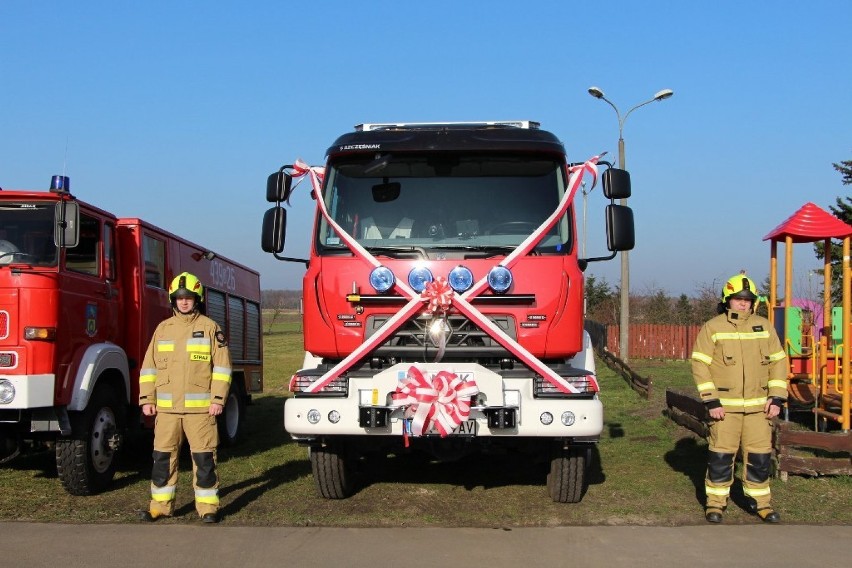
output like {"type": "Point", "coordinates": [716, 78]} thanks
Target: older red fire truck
{"type": "Point", "coordinates": [81, 292]}
{"type": "Point", "coordinates": [443, 300]}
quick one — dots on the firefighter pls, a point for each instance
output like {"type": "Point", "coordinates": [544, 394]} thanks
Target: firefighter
{"type": "Point", "coordinates": [740, 369]}
{"type": "Point", "coordinates": [184, 384]}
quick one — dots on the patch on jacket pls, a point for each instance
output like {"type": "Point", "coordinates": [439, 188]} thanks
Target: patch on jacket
{"type": "Point", "coordinates": [221, 339]}
{"type": "Point", "coordinates": [197, 334]}
{"type": "Point", "coordinates": [757, 328]}
{"type": "Point", "coordinates": [199, 357]}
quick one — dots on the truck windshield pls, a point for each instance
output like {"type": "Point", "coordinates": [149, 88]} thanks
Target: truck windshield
{"type": "Point", "coordinates": [461, 202]}
{"type": "Point", "coordinates": [26, 233]}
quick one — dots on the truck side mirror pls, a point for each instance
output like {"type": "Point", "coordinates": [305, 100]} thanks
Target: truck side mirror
{"type": "Point", "coordinates": [616, 184]}
{"type": "Point", "coordinates": [274, 227]}
{"type": "Point", "coordinates": [620, 235]}
{"type": "Point", "coordinates": [279, 186]}
{"type": "Point", "coordinates": [66, 224]}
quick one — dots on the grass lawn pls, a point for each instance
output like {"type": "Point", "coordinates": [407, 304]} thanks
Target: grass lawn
{"type": "Point", "coordinates": [646, 471]}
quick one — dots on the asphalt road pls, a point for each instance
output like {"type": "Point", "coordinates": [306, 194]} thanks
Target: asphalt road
{"type": "Point", "coordinates": [68, 546]}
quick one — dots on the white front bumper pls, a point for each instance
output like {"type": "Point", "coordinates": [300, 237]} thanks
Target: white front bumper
{"type": "Point", "coordinates": [31, 391]}
{"type": "Point", "coordinates": [588, 412]}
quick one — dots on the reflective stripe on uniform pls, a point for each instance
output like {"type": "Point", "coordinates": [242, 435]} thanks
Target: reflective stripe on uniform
{"type": "Point", "coordinates": [777, 384]}
{"type": "Point", "coordinates": [164, 399]}
{"type": "Point", "coordinates": [718, 491]}
{"type": "Point", "coordinates": [148, 376]}
{"type": "Point", "coordinates": [707, 386]}
{"type": "Point", "coordinates": [222, 374]}
{"type": "Point", "coordinates": [777, 356]}
{"type": "Point", "coordinates": [756, 492]}
{"type": "Point", "coordinates": [162, 494]}
{"type": "Point", "coordinates": [701, 357]}
{"type": "Point", "coordinates": [743, 402]}
{"type": "Point", "coordinates": [208, 496]}
{"type": "Point", "coordinates": [740, 335]}
{"type": "Point", "coordinates": [196, 400]}
{"type": "Point", "coordinates": [198, 345]}
{"type": "Point", "coordinates": [165, 345]}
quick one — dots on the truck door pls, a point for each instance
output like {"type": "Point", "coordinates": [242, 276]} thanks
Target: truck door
{"type": "Point", "coordinates": [89, 295]}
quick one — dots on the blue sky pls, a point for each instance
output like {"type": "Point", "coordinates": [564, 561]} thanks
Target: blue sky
{"type": "Point", "coordinates": [177, 111]}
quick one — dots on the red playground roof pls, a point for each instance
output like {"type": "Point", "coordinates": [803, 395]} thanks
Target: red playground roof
{"type": "Point", "coordinates": [810, 224]}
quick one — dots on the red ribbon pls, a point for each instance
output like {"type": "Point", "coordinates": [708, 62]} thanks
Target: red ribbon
{"type": "Point", "coordinates": [442, 402]}
{"type": "Point", "coordinates": [438, 295]}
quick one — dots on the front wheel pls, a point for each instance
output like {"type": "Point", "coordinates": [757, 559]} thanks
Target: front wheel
{"type": "Point", "coordinates": [332, 470]}
{"type": "Point", "coordinates": [86, 460]}
{"type": "Point", "coordinates": [566, 481]}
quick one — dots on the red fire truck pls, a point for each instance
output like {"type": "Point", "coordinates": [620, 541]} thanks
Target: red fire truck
{"type": "Point", "coordinates": [81, 292]}
{"type": "Point", "coordinates": [443, 300]}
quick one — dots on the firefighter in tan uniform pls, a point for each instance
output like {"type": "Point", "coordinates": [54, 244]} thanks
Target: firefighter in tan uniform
{"type": "Point", "coordinates": [184, 382]}
{"type": "Point", "coordinates": [740, 369]}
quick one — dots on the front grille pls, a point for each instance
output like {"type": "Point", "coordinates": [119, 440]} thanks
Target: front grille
{"type": "Point", "coordinates": [467, 340]}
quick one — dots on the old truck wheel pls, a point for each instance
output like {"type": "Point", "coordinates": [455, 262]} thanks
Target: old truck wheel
{"type": "Point", "coordinates": [232, 419]}
{"type": "Point", "coordinates": [566, 481]}
{"type": "Point", "coordinates": [332, 471]}
{"type": "Point", "coordinates": [86, 460]}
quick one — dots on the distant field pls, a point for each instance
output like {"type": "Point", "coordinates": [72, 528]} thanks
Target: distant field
{"type": "Point", "coordinates": [647, 471]}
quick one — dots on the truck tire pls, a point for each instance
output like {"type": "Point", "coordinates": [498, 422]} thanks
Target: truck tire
{"type": "Point", "coordinates": [86, 460]}
{"type": "Point", "coordinates": [566, 481]}
{"type": "Point", "coordinates": [332, 471]}
{"type": "Point", "coordinates": [232, 420]}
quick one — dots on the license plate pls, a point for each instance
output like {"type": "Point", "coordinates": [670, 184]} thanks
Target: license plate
{"type": "Point", "coordinates": [465, 429]}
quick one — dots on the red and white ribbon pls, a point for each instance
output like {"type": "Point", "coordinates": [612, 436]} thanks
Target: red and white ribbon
{"type": "Point", "coordinates": [442, 401]}
{"type": "Point", "coordinates": [438, 295]}
{"type": "Point", "coordinates": [460, 302]}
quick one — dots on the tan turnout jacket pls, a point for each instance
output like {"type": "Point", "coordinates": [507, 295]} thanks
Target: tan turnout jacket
{"type": "Point", "coordinates": [738, 361]}
{"type": "Point", "coordinates": [187, 366]}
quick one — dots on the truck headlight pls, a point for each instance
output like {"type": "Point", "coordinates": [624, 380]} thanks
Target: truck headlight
{"type": "Point", "coordinates": [567, 418]}
{"type": "Point", "coordinates": [7, 391]}
{"type": "Point", "coordinates": [382, 279]}
{"type": "Point", "coordinates": [500, 279]}
{"type": "Point", "coordinates": [460, 278]}
{"type": "Point", "coordinates": [314, 416]}
{"type": "Point", "coordinates": [419, 277]}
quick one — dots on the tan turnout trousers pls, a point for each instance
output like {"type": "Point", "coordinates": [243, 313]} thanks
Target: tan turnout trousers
{"type": "Point", "coordinates": [203, 437]}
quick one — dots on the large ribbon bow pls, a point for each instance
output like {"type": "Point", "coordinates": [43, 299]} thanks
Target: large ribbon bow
{"type": "Point", "coordinates": [442, 401]}
{"type": "Point", "coordinates": [438, 294]}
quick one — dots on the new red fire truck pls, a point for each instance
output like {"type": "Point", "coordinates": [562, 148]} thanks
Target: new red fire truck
{"type": "Point", "coordinates": [81, 292]}
{"type": "Point", "coordinates": [443, 299]}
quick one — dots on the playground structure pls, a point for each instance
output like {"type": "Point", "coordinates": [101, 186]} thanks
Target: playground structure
{"type": "Point", "coordinates": [819, 355]}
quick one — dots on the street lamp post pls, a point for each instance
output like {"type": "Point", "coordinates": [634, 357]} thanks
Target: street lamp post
{"type": "Point", "coordinates": [624, 317]}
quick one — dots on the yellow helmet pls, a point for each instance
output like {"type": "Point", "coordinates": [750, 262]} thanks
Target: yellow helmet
{"type": "Point", "coordinates": [186, 284]}
{"type": "Point", "coordinates": [739, 286]}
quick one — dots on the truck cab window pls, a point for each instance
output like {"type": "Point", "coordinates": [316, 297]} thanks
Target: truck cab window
{"type": "Point", "coordinates": [84, 257]}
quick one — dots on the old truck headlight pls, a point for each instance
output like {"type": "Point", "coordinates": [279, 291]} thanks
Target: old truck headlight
{"type": "Point", "coordinates": [568, 418]}
{"type": "Point", "coordinates": [546, 418]}
{"type": "Point", "coordinates": [7, 391]}
{"type": "Point", "coordinates": [314, 416]}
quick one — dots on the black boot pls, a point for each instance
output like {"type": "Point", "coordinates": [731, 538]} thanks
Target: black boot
{"type": "Point", "coordinates": [768, 515]}
{"type": "Point", "coordinates": [713, 515]}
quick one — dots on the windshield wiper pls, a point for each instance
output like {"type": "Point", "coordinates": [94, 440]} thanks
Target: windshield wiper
{"type": "Point", "coordinates": [397, 249]}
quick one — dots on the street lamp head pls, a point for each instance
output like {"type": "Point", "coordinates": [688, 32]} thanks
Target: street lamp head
{"type": "Point", "coordinates": [595, 92]}
{"type": "Point", "coordinates": [662, 95]}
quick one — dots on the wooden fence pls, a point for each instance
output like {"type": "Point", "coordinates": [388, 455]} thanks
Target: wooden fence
{"type": "Point", "coordinates": [649, 341]}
